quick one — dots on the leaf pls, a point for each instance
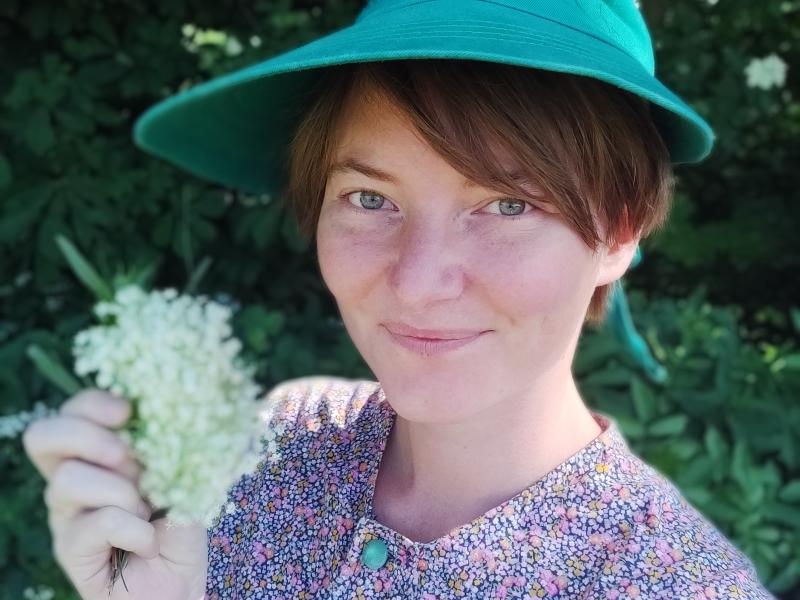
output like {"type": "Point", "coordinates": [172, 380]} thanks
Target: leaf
{"type": "Point", "coordinates": [608, 377]}
{"type": "Point", "coordinates": [794, 312]}
{"type": "Point", "coordinates": [53, 370]}
{"type": "Point", "coordinates": [740, 465]}
{"type": "Point", "coordinates": [38, 131]}
{"type": "Point", "coordinates": [696, 472]}
{"type": "Point", "coordinates": [197, 275]}
{"type": "Point", "coordinates": [644, 400]}
{"type": "Point", "coordinates": [75, 122]}
{"type": "Point", "coordinates": [84, 271]}
{"type": "Point", "coordinates": [715, 444]}
{"type": "Point", "coordinates": [790, 492]}
{"type": "Point", "coordinates": [791, 361]}
{"type": "Point", "coordinates": [783, 513]}
{"type": "Point", "coordinates": [162, 230]}
{"type": "Point", "coordinates": [669, 426]}
{"type": "Point", "coordinates": [767, 534]}
{"type": "Point", "coordinates": [21, 213]}
{"type": "Point", "coordinates": [630, 428]}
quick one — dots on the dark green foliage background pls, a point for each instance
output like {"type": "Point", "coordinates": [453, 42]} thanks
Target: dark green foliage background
{"type": "Point", "coordinates": [715, 296]}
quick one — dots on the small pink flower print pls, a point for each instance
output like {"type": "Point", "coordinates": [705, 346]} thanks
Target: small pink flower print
{"type": "Point", "coordinates": [262, 553]}
{"type": "Point", "coordinates": [632, 591]}
{"type": "Point", "coordinates": [513, 581]}
{"type": "Point", "coordinates": [709, 593]}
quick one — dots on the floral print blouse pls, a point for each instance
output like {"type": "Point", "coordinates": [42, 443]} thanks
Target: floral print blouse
{"type": "Point", "coordinates": [602, 525]}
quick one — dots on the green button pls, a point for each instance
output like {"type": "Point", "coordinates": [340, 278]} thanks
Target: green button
{"type": "Point", "coordinates": [374, 554]}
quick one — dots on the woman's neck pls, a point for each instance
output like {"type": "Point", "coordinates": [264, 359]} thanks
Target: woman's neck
{"type": "Point", "coordinates": [434, 477]}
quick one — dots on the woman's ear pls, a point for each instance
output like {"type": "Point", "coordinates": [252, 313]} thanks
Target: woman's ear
{"type": "Point", "coordinates": [615, 260]}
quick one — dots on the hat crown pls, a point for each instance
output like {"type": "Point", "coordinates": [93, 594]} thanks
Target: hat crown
{"type": "Point", "coordinates": [616, 22]}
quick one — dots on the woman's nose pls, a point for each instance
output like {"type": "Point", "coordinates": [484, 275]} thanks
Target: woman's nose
{"type": "Point", "coordinates": [427, 265]}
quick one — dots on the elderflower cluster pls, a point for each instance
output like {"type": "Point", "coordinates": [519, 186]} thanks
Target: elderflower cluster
{"type": "Point", "coordinates": [766, 72]}
{"type": "Point", "coordinates": [194, 426]}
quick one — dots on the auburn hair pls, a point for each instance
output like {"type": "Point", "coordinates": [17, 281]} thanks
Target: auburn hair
{"type": "Point", "coordinates": [593, 148]}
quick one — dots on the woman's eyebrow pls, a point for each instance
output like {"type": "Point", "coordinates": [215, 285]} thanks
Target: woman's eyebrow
{"type": "Point", "coordinates": [349, 163]}
{"type": "Point", "coordinates": [352, 164]}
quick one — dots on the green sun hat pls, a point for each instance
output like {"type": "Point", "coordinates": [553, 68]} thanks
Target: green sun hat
{"type": "Point", "coordinates": [234, 130]}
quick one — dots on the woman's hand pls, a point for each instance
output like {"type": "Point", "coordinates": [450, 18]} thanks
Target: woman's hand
{"type": "Point", "coordinates": [94, 504]}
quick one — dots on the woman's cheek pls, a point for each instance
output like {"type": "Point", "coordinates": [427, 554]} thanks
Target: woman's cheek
{"type": "Point", "coordinates": [349, 253]}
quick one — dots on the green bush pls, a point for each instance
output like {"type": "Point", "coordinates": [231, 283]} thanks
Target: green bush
{"type": "Point", "coordinates": [724, 428]}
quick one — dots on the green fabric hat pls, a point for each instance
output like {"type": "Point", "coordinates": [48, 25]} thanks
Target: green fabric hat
{"type": "Point", "coordinates": [234, 129]}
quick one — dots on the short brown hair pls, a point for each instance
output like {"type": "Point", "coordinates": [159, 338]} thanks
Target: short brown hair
{"type": "Point", "coordinates": [592, 147]}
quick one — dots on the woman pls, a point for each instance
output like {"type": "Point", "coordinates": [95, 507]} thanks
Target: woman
{"type": "Point", "coordinates": [469, 217]}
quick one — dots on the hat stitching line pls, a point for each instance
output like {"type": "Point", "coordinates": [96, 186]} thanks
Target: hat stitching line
{"type": "Point", "coordinates": [522, 10]}
{"type": "Point", "coordinates": [575, 48]}
{"type": "Point", "coordinates": [398, 28]}
{"type": "Point", "coordinates": [497, 3]}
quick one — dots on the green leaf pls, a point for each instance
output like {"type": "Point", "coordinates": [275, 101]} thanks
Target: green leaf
{"type": "Point", "coordinates": [644, 400]}
{"type": "Point", "coordinates": [768, 534]}
{"type": "Point", "coordinates": [610, 376]}
{"type": "Point", "coordinates": [740, 465]}
{"type": "Point", "coordinates": [669, 426]}
{"type": "Point", "coordinates": [162, 230]}
{"type": "Point", "coordinates": [21, 212]}
{"type": "Point", "coordinates": [630, 428]}
{"type": "Point", "coordinates": [791, 361]}
{"type": "Point", "coordinates": [38, 131]}
{"type": "Point", "coordinates": [715, 444]}
{"type": "Point", "coordinates": [783, 513]}
{"type": "Point", "coordinates": [53, 370]}
{"type": "Point", "coordinates": [84, 270]}
{"type": "Point", "coordinates": [197, 275]}
{"type": "Point", "coordinates": [790, 492]}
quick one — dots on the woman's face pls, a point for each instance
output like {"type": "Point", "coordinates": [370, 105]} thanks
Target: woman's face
{"type": "Point", "coordinates": [427, 250]}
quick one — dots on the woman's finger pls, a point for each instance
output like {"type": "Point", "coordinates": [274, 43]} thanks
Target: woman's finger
{"type": "Point", "coordinates": [89, 537]}
{"type": "Point", "coordinates": [98, 406]}
{"type": "Point", "coordinates": [77, 487]}
{"type": "Point", "coordinates": [49, 441]}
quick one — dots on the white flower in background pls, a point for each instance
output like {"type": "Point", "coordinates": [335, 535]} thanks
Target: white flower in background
{"type": "Point", "coordinates": [195, 425]}
{"type": "Point", "coordinates": [766, 72]}
{"type": "Point", "coordinates": [42, 592]}
{"type": "Point", "coordinates": [12, 425]}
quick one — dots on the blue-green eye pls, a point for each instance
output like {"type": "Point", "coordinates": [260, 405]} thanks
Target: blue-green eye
{"type": "Point", "coordinates": [368, 200]}
{"type": "Point", "coordinates": [511, 207]}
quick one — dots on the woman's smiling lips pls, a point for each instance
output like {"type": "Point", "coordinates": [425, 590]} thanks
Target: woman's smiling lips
{"type": "Point", "coordinates": [428, 342]}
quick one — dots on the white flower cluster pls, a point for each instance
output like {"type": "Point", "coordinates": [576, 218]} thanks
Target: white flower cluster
{"type": "Point", "coordinates": [195, 426]}
{"type": "Point", "coordinates": [41, 592]}
{"type": "Point", "coordinates": [766, 72]}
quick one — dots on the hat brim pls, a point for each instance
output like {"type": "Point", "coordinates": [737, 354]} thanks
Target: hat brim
{"type": "Point", "coordinates": [234, 129]}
